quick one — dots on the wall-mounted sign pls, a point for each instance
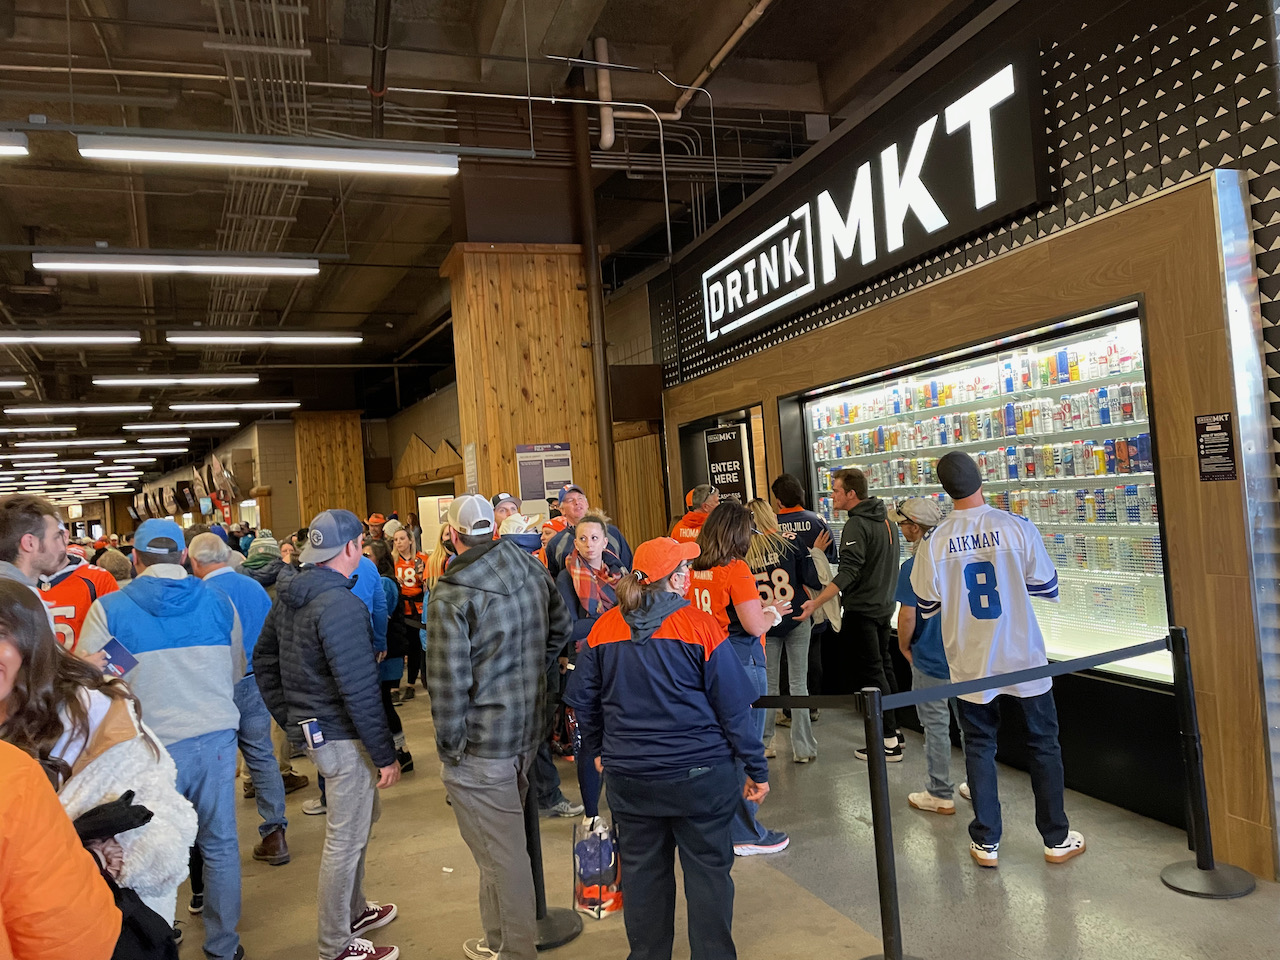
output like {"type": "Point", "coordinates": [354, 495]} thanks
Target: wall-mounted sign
{"type": "Point", "coordinates": [471, 468]}
{"type": "Point", "coordinates": [543, 469]}
{"type": "Point", "coordinates": [729, 462]}
{"type": "Point", "coordinates": [921, 173]}
{"type": "Point", "coordinates": [1216, 447]}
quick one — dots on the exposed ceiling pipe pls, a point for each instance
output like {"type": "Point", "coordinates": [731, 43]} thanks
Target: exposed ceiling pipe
{"type": "Point", "coordinates": [749, 21]}
{"type": "Point", "coordinates": [378, 80]}
{"type": "Point", "coordinates": [604, 90]}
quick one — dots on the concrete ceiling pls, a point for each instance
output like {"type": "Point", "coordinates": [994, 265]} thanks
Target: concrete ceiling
{"type": "Point", "coordinates": [157, 64]}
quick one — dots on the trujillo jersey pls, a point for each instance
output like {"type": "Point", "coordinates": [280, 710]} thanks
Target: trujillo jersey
{"type": "Point", "coordinates": [807, 527]}
{"type": "Point", "coordinates": [69, 594]}
{"type": "Point", "coordinates": [979, 571]}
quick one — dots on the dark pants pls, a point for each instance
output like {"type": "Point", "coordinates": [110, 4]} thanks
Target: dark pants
{"type": "Point", "coordinates": [389, 708]}
{"type": "Point", "coordinates": [655, 818]}
{"type": "Point", "coordinates": [415, 663]}
{"type": "Point", "coordinates": [860, 656]}
{"type": "Point", "coordinates": [981, 724]}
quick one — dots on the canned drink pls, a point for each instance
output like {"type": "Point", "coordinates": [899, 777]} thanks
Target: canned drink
{"type": "Point", "coordinates": [880, 447]}
{"type": "Point", "coordinates": [1139, 401]}
{"type": "Point", "coordinates": [1051, 361]}
{"type": "Point", "coordinates": [1093, 365]}
{"type": "Point", "coordinates": [1090, 508]}
{"type": "Point", "coordinates": [1109, 496]}
{"type": "Point", "coordinates": [1019, 419]}
{"type": "Point", "coordinates": [1073, 366]}
{"type": "Point", "coordinates": [1030, 417]}
{"type": "Point", "coordinates": [1011, 460]}
{"type": "Point", "coordinates": [1144, 452]}
{"type": "Point", "coordinates": [1064, 366]}
{"type": "Point", "coordinates": [1113, 401]}
{"type": "Point", "coordinates": [1029, 462]}
{"type": "Point", "coordinates": [1126, 403]}
{"type": "Point", "coordinates": [1025, 371]}
{"type": "Point", "coordinates": [1077, 454]}
{"type": "Point", "coordinates": [1126, 363]}
{"type": "Point", "coordinates": [1147, 503]}
{"type": "Point", "coordinates": [1094, 408]}
{"type": "Point", "coordinates": [1044, 372]}
{"type": "Point", "coordinates": [1078, 416]}
{"type": "Point", "coordinates": [942, 433]}
{"type": "Point", "coordinates": [1068, 461]}
{"type": "Point", "coordinates": [1057, 417]}
{"type": "Point", "coordinates": [984, 465]}
{"type": "Point", "coordinates": [1010, 421]}
{"type": "Point", "coordinates": [1064, 402]}
{"type": "Point", "coordinates": [1008, 376]}
{"type": "Point", "coordinates": [1104, 408]}
{"type": "Point", "coordinates": [1135, 463]}
{"type": "Point", "coordinates": [1132, 511]}
{"type": "Point", "coordinates": [1105, 559]}
{"type": "Point", "coordinates": [975, 426]}
{"type": "Point", "coordinates": [986, 425]}
{"type": "Point", "coordinates": [1048, 469]}
{"type": "Point", "coordinates": [1122, 456]}
{"type": "Point", "coordinates": [1057, 460]}
{"type": "Point", "coordinates": [1079, 506]}
{"type": "Point", "coordinates": [959, 427]}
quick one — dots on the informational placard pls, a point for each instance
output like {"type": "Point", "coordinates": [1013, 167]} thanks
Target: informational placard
{"type": "Point", "coordinates": [543, 468]}
{"type": "Point", "coordinates": [471, 468]}
{"type": "Point", "coordinates": [1216, 447]}
{"type": "Point", "coordinates": [728, 462]}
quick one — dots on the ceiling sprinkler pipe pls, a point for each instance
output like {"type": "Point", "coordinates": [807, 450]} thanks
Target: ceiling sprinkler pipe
{"type": "Point", "coordinates": [604, 90]}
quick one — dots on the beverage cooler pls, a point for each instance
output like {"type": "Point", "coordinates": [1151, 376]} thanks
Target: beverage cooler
{"type": "Point", "coordinates": [1060, 427]}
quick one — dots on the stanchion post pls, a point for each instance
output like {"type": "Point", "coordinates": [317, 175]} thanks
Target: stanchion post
{"type": "Point", "coordinates": [556, 925]}
{"type": "Point", "coordinates": [882, 827]}
{"type": "Point", "coordinates": [1200, 877]}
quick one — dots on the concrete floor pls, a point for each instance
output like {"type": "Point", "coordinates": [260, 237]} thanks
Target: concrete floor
{"type": "Point", "coordinates": [817, 899]}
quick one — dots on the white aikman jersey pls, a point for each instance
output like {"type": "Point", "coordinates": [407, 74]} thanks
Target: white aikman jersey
{"type": "Point", "coordinates": [979, 571]}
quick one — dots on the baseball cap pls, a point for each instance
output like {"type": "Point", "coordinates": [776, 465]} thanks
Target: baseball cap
{"type": "Point", "coordinates": [555, 524]}
{"type": "Point", "coordinates": [390, 527]}
{"type": "Point", "coordinates": [958, 474]}
{"type": "Point", "coordinates": [77, 550]}
{"type": "Point", "coordinates": [567, 489]}
{"type": "Point", "coordinates": [159, 537]}
{"type": "Point", "coordinates": [471, 515]}
{"type": "Point", "coordinates": [516, 523]}
{"type": "Point", "coordinates": [503, 498]}
{"type": "Point", "coordinates": [919, 510]}
{"type": "Point", "coordinates": [328, 533]}
{"type": "Point", "coordinates": [655, 559]}
{"type": "Point", "coordinates": [376, 518]}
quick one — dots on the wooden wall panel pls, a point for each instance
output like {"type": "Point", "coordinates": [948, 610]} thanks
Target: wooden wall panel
{"type": "Point", "coordinates": [519, 320]}
{"type": "Point", "coordinates": [642, 501]}
{"type": "Point", "coordinates": [1167, 249]}
{"type": "Point", "coordinates": [330, 455]}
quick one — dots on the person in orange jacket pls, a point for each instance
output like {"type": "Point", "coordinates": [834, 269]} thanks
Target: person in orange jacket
{"type": "Point", "coordinates": [701, 500]}
{"type": "Point", "coordinates": [54, 903]}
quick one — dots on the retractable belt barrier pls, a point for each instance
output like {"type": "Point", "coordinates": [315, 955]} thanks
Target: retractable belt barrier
{"type": "Point", "coordinates": [1200, 877]}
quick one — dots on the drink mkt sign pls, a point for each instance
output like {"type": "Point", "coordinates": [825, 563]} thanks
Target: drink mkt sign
{"type": "Point", "coordinates": [729, 462]}
{"type": "Point", "coordinates": [965, 157]}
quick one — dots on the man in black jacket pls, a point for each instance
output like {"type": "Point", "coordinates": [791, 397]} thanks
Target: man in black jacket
{"type": "Point", "coordinates": [494, 622]}
{"type": "Point", "coordinates": [866, 580]}
{"type": "Point", "coordinates": [315, 667]}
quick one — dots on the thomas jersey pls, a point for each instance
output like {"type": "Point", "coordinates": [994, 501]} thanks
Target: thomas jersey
{"type": "Point", "coordinates": [69, 594]}
{"type": "Point", "coordinates": [715, 591]}
{"type": "Point", "coordinates": [410, 574]}
{"type": "Point", "coordinates": [979, 571]}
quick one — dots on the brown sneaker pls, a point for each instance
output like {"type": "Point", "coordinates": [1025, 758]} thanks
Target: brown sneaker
{"type": "Point", "coordinates": [293, 781]}
{"type": "Point", "coordinates": [273, 849]}
{"type": "Point", "coordinates": [249, 791]}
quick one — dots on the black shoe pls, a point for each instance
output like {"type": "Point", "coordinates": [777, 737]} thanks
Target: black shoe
{"type": "Point", "coordinates": [814, 715]}
{"type": "Point", "coordinates": [197, 903]}
{"type": "Point", "coordinates": [177, 935]}
{"type": "Point", "coordinates": [892, 754]}
{"type": "Point", "coordinates": [406, 760]}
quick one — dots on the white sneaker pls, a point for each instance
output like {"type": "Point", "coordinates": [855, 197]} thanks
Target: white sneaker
{"type": "Point", "coordinates": [770, 752]}
{"type": "Point", "coordinates": [1073, 846]}
{"type": "Point", "coordinates": [986, 854]}
{"type": "Point", "coordinates": [359, 949]}
{"type": "Point", "coordinates": [924, 800]}
{"type": "Point", "coordinates": [478, 949]}
{"type": "Point", "coordinates": [314, 808]}
{"type": "Point", "coordinates": [964, 792]}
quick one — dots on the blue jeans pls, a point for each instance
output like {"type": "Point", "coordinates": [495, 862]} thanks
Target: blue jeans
{"type": "Point", "coordinates": [796, 642]}
{"type": "Point", "coordinates": [207, 777]}
{"type": "Point", "coordinates": [935, 717]}
{"type": "Point", "coordinates": [588, 776]}
{"type": "Point", "coordinates": [254, 736]}
{"type": "Point", "coordinates": [654, 819]}
{"type": "Point", "coordinates": [981, 723]}
{"type": "Point", "coordinates": [746, 828]}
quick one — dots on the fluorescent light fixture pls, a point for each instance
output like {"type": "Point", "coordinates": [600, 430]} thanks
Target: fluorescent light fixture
{"type": "Point", "coordinates": [70, 338]}
{"type": "Point", "coordinates": [236, 405]}
{"type": "Point", "coordinates": [228, 380]}
{"type": "Point", "coordinates": [166, 450]}
{"type": "Point", "coordinates": [146, 262]}
{"type": "Point", "coordinates": [191, 425]}
{"type": "Point", "coordinates": [234, 337]}
{"type": "Point", "coordinates": [12, 384]}
{"type": "Point", "coordinates": [13, 144]}
{"type": "Point", "coordinates": [69, 443]}
{"type": "Point", "coordinates": [27, 456]}
{"type": "Point", "coordinates": [163, 440]}
{"type": "Point", "coordinates": [282, 155]}
{"type": "Point", "coordinates": [74, 463]}
{"type": "Point", "coordinates": [51, 429]}
{"type": "Point", "coordinates": [135, 459]}
{"type": "Point", "coordinates": [35, 410]}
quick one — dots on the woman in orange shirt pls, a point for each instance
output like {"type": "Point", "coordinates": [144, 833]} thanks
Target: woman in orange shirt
{"type": "Point", "coordinates": [410, 568]}
{"type": "Point", "coordinates": [721, 584]}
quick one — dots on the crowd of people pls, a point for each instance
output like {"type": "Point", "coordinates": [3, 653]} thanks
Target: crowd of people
{"type": "Point", "coordinates": [136, 675]}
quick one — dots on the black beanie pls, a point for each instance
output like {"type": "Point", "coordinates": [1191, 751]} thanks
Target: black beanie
{"type": "Point", "coordinates": [959, 476]}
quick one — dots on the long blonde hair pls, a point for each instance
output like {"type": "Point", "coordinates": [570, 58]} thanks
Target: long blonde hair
{"type": "Point", "coordinates": [767, 541]}
{"type": "Point", "coordinates": [437, 560]}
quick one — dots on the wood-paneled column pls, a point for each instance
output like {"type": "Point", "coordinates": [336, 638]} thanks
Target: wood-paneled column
{"type": "Point", "coordinates": [524, 375]}
{"type": "Point", "coordinates": [330, 456]}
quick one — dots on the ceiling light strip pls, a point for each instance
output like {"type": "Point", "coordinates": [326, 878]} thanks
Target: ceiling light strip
{"type": "Point", "coordinates": [146, 262]}
{"type": "Point", "coordinates": [224, 380]}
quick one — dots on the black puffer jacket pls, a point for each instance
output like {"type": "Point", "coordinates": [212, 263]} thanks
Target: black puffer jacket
{"type": "Point", "coordinates": [272, 575]}
{"type": "Point", "coordinates": [314, 658]}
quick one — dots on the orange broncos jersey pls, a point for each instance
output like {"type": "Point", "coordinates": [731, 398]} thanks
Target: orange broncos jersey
{"type": "Point", "coordinates": [409, 574]}
{"type": "Point", "coordinates": [70, 593]}
{"type": "Point", "coordinates": [688, 527]}
{"type": "Point", "coordinates": [715, 591]}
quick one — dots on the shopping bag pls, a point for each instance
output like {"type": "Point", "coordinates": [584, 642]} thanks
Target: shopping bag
{"type": "Point", "coordinates": [597, 874]}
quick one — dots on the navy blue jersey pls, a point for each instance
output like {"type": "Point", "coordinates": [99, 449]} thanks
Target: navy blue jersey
{"type": "Point", "coordinates": [783, 578]}
{"type": "Point", "coordinates": [807, 525]}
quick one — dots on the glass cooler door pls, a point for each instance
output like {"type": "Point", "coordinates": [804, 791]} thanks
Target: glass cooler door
{"type": "Point", "coordinates": [1059, 427]}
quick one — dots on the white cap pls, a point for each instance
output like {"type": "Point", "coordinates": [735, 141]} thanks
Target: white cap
{"type": "Point", "coordinates": [471, 515]}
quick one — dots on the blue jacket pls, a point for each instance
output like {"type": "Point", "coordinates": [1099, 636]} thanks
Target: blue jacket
{"type": "Point", "coordinates": [366, 583]}
{"type": "Point", "coordinates": [392, 666]}
{"type": "Point", "coordinates": [186, 639]}
{"type": "Point", "coordinates": [250, 600]}
{"type": "Point", "coordinates": [659, 692]}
